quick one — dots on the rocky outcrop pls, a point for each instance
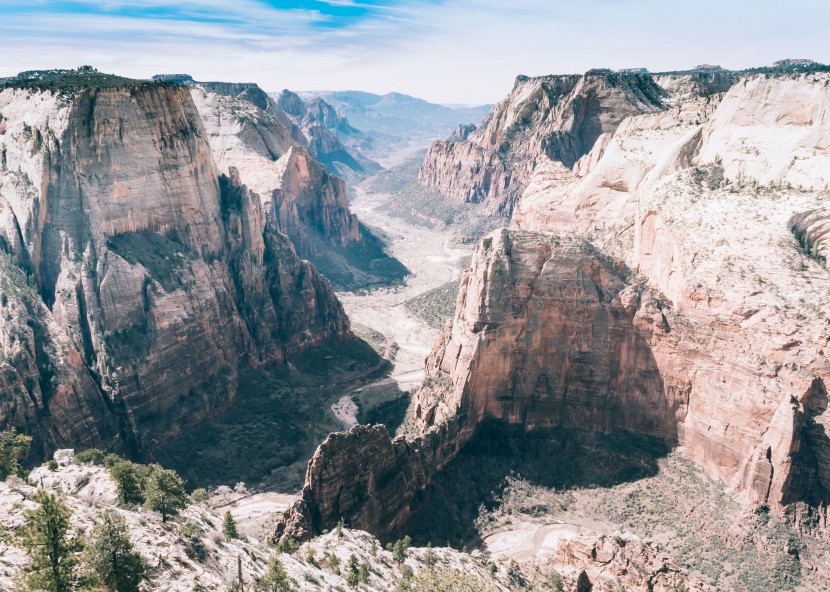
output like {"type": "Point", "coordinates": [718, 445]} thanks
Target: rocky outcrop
{"type": "Point", "coordinates": [299, 195]}
{"type": "Point", "coordinates": [547, 118]}
{"type": "Point", "coordinates": [153, 277]}
{"type": "Point", "coordinates": [367, 480]}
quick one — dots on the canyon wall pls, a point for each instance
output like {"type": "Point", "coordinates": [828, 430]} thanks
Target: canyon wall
{"type": "Point", "coordinates": [544, 118]}
{"type": "Point", "coordinates": [299, 195]}
{"type": "Point", "coordinates": [669, 284]}
{"type": "Point", "coordinates": [139, 279]}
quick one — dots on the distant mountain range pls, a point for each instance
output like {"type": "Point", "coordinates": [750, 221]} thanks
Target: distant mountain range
{"type": "Point", "coordinates": [397, 114]}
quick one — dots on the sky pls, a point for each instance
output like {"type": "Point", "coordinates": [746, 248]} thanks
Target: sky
{"type": "Point", "coordinates": [446, 51]}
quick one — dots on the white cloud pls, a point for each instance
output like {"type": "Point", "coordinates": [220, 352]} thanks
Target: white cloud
{"type": "Point", "coordinates": [463, 51]}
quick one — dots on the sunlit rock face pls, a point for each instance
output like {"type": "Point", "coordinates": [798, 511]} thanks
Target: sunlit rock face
{"type": "Point", "coordinates": [154, 276]}
{"type": "Point", "coordinates": [556, 118]}
{"type": "Point", "coordinates": [670, 282]}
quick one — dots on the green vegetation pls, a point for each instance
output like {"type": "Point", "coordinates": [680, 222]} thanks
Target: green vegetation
{"type": "Point", "coordinates": [436, 306]}
{"type": "Point", "coordinates": [13, 447]}
{"type": "Point", "coordinates": [229, 527]}
{"type": "Point", "coordinates": [164, 493]}
{"type": "Point", "coordinates": [611, 483]}
{"type": "Point", "coordinates": [400, 548]}
{"type": "Point", "coordinates": [74, 80]}
{"type": "Point", "coordinates": [268, 426]}
{"type": "Point", "coordinates": [444, 580]}
{"type": "Point", "coordinates": [557, 458]}
{"type": "Point", "coordinates": [53, 555]}
{"type": "Point", "coordinates": [129, 479]}
{"type": "Point", "coordinates": [275, 579]}
{"type": "Point", "coordinates": [424, 206]}
{"type": "Point", "coordinates": [359, 266]}
{"type": "Point", "coordinates": [110, 555]}
{"type": "Point", "coordinates": [91, 456]}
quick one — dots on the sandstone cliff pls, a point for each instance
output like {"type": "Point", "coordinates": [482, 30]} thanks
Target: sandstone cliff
{"type": "Point", "coordinates": [299, 195]}
{"type": "Point", "coordinates": [152, 278]}
{"type": "Point", "coordinates": [669, 284]}
{"type": "Point", "coordinates": [547, 118]}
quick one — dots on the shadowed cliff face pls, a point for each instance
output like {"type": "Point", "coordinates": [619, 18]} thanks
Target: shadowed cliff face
{"type": "Point", "coordinates": [156, 277]}
{"type": "Point", "coordinates": [544, 335]}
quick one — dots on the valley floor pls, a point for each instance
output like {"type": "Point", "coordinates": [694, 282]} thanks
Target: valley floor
{"type": "Point", "coordinates": [434, 258]}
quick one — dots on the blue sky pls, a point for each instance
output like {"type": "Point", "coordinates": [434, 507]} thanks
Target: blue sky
{"type": "Point", "coordinates": [452, 51]}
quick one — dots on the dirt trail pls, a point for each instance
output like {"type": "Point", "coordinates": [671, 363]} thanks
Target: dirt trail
{"type": "Point", "coordinates": [434, 259]}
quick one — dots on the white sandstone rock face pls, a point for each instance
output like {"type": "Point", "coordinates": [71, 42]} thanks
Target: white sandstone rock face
{"type": "Point", "coordinates": [298, 194]}
{"type": "Point", "coordinates": [546, 118]}
{"type": "Point", "coordinates": [708, 202]}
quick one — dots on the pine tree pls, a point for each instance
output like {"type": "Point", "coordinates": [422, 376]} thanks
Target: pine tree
{"type": "Point", "coordinates": [111, 556]}
{"type": "Point", "coordinates": [276, 579]}
{"type": "Point", "coordinates": [13, 447]}
{"type": "Point", "coordinates": [128, 481]}
{"type": "Point", "coordinates": [229, 527]}
{"type": "Point", "coordinates": [164, 493]}
{"type": "Point", "coordinates": [53, 555]}
{"type": "Point", "coordinates": [353, 576]}
{"type": "Point", "coordinates": [400, 548]}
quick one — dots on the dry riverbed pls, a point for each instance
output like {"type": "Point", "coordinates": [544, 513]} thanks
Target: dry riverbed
{"type": "Point", "coordinates": [433, 258]}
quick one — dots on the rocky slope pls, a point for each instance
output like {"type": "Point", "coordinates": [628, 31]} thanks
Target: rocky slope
{"type": "Point", "coordinates": [89, 491]}
{"type": "Point", "coordinates": [152, 277]}
{"type": "Point", "coordinates": [320, 129]}
{"type": "Point", "coordinates": [546, 118]}
{"type": "Point", "coordinates": [252, 133]}
{"type": "Point", "coordinates": [668, 284]}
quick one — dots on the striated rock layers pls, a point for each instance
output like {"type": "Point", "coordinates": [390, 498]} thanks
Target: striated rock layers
{"type": "Point", "coordinates": [136, 279]}
{"type": "Point", "coordinates": [669, 284]}
{"type": "Point", "coordinates": [250, 132]}
{"type": "Point", "coordinates": [546, 118]}
{"type": "Point", "coordinates": [318, 126]}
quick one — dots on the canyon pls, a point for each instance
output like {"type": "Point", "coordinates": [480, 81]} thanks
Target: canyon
{"type": "Point", "coordinates": [638, 268]}
{"type": "Point", "coordinates": [662, 275]}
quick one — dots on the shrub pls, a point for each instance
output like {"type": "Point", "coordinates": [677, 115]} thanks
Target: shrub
{"type": "Point", "coordinates": [199, 496]}
{"type": "Point", "coordinates": [91, 456]}
{"type": "Point", "coordinates": [52, 465]}
{"type": "Point", "coordinates": [129, 481]}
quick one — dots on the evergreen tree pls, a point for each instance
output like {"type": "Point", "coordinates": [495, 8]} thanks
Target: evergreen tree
{"type": "Point", "coordinates": [110, 555]}
{"type": "Point", "coordinates": [128, 480]}
{"type": "Point", "coordinates": [164, 493]}
{"type": "Point", "coordinates": [400, 548]}
{"type": "Point", "coordinates": [53, 555]}
{"type": "Point", "coordinates": [353, 575]}
{"type": "Point", "coordinates": [276, 579]}
{"type": "Point", "coordinates": [229, 527]}
{"type": "Point", "coordinates": [13, 447]}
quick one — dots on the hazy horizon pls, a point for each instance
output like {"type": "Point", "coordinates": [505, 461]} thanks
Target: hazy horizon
{"type": "Point", "coordinates": [460, 52]}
